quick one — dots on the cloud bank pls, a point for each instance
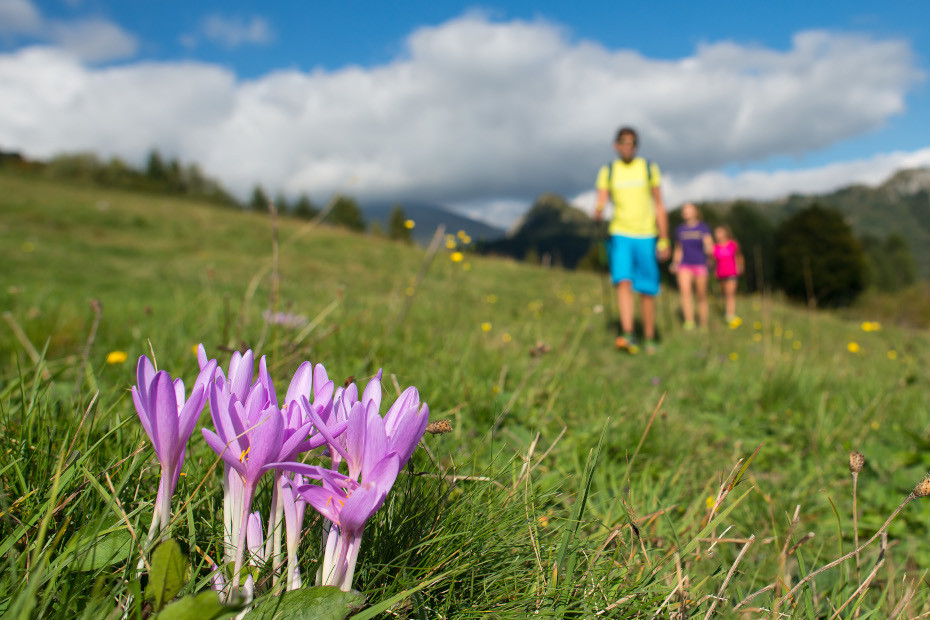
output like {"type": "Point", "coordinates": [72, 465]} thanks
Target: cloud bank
{"type": "Point", "coordinates": [474, 112]}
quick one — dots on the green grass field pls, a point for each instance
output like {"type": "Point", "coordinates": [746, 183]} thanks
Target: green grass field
{"type": "Point", "coordinates": [577, 482]}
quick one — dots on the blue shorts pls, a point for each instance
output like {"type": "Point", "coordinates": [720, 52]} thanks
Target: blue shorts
{"type": "Point", "coordinates": [634, 259]}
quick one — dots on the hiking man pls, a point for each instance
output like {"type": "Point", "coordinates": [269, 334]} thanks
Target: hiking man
{"type": "Point", "coordinates": [638, 235]}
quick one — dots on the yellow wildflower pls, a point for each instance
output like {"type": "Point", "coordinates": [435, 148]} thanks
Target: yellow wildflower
{"type": "Point", "coordinates": [116, 357]}
{"type": "Point", "coordinates": [457, 257]}
{"type": "Point", "coordinates": [734, 356]}
{"type": "Point", "coordinates": [409, 224]}
{"type": "Point", "coordinates": [892, 354]}
{"type": "Point", "coordinates": [485, 327]}
{"type": "Point", "coordinates": [853, 347]}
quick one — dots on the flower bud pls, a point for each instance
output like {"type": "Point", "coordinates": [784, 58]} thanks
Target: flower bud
{"type": "Point", "coordinates": [923, 487]}
{"type": "Point", "coordinates": [856, 461]}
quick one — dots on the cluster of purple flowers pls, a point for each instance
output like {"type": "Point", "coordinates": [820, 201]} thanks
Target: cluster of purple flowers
{"type": "Point", "coordinates": [256, 434]}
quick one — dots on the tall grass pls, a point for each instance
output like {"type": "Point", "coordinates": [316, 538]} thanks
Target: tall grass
{"type": "Point", "coordinates": [710, 479]}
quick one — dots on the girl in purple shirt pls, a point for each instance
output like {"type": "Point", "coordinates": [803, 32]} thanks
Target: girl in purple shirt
{"type": "Point", "coordinates": [693, 244]}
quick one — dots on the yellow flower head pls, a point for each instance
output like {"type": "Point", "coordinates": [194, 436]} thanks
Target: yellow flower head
{"type": "Point", "coordinates": [116, 357]}
{"type": "Point", "coordinates": [796, 345]}
{"type": "Point", "coordinates": [709, 502]}
{"type": "Point", "coordinates": [734, 356]}
{"type": "Point", "coordinates": [461, 234]}
{"type": "Point", "coordinates": [457, 257]}
{"type": "Point", "coordinates": [450, 244]}
{"type": "Point", "coordinates": [409, 224]}
{"type": "Point", "coordinates": [485, 327]}
{"type": "Point", "coordinates": [506, 337]}
{"type": "Point", "coordinates": [757, 325]}
{"type": "Point", "coordinates": [892, 354]}
{"type": "Point", "coordinates": [735, 322]}
{"type": "Point", "coordinates": [853, 347]}
{"type": "Point", "coordinates": [757, 337]}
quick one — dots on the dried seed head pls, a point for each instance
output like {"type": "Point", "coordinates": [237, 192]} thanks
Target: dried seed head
{"type": "Point", "coordinates": [439, 427]}
{"type": "Point", "coordinates": [856, 461]}
{"type": "Point", "coordinates": [923, 487]}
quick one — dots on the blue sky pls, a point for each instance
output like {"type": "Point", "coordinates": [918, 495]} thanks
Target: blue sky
{"type": "Point", "coordinates": [477, 107]}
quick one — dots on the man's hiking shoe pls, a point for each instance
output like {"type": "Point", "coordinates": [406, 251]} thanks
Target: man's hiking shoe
{"type": "Point", "coordinates": [651, 347]}
{"type": "Point", "coordinates": [689, 326]}
{"type": "Point", "coordinates": [628, 344]}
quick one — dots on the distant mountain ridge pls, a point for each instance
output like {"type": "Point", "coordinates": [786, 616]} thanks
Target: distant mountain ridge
{"type": "Point", "coordinates": [428, 217]}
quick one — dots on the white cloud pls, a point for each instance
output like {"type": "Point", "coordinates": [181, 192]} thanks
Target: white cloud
{"type": "Point", "coordinates": [91, 40]}
{"type": "Point", "coordinates": [474, 112]}
{"type": "Point", "coordinates": [94, 40]}
{"type": "Point", "coordinates": [19, 17]}
{"type": "Point", "coordinates": [236, 31]}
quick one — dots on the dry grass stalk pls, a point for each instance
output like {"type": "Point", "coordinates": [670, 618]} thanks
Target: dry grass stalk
{"type": "Point", "coordinates": [856, 463]}
{"type": "Point", "coordinates": [868, 580]}
{"type": "Point", "coordinates": [726, 580]}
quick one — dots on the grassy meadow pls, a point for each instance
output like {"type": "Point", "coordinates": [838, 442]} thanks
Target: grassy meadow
{"type": "Point", "coordinates": [710, 479]}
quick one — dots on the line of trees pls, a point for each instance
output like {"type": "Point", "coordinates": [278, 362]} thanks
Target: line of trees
{"type": "Point", "coordinates": [169, 176]}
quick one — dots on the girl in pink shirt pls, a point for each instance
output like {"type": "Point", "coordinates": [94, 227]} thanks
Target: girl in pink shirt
{"type": "Point", "coordinates": [729, 261]}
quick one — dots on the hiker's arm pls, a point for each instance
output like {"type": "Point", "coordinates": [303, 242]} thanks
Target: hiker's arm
{"type": "Point", "coordinates": [599, 206]}
{"type": "Point", "coordinates": [708, 246]}
{"type": "Point", "coordinates": [661, 223]}
{"type": "Point", "coordinates": [676, 257]}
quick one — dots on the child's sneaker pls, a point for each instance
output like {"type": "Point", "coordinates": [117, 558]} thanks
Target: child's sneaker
{"type": "Point", "coordinates": [627, 343]}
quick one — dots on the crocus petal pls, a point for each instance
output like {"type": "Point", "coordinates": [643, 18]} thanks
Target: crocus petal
{"type": "Point", "coordinates": [376, 443]}
{"type": "Point", "coordinates": [408, 400]}
{"type": "Point", "coordinates": [322, 386]}
{"type": "Point", "coordinates": [323, 501]}
{"type": "Point", "coordinates": [384, 473]}
{"type": "Point", "coordinates": [264, 444]}
{"type": "Point", "coordinates": [301, 384]}
{"type": "Point", "coordinates": [265, 379]}
{"type": "Point", "coordinates": [145, 373]}
{"type": "Point", "coordinates": [190, 413]}
{"type": "Point", "coordinates": [240, 373]}
{"type": "Point", "coordinates": [406, 437]}
{"type": "Point", "coordinates": [322, 428]}
{"type": "Point", "coordinates": [372, 392]}
{"type": "Point", "coordinates": [165, 416]}
{"type": "Point", "coordinates": [138, 400]}
{"type": "Point", "coordinates": [358, 507]}
{"type": "Point", "coordinates": [290, 448]}
{"type": "Point", "coordinates": [230, 454]}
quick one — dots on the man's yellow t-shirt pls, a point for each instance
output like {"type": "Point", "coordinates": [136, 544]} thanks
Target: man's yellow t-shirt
{"type": "Point", "coordinates": [631, 193]}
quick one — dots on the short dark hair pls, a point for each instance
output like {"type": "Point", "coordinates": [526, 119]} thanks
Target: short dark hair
{"type": "Point", "coordinates": [628, 131]}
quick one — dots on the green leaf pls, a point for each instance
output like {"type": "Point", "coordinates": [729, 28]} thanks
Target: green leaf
{"type": "Point", "coordinates": [319, 603]}
{"type": "Point", "coordinates": [101, 549]}
{"type": "Point", "coordinates": [204, 606]}
{"type": "Point", "coordinates": [168, 574]}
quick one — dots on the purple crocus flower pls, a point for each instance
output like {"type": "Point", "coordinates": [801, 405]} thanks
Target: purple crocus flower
{"type": "Point", "coordinates": [374, 449]}
{"type": "Point", "coordinates": [168, 419]}
{"type": "Point", "coordinates": [306, 381]}
{"type": "Point", "coordinates": [250, 437]}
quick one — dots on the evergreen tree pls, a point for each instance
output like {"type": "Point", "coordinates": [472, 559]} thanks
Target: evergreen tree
{"type": "Point", "coordinates": [304, 209]}
{"type": "Point", "coordinates": [281, 204]}
{"type": "Point", "coordinates": [346, 213]}
{"type": "Point", "coordinates": [259, 199]}
{"type": "Point", "coordinates": [155, 168]}
{"type": "Point", "coordinates": [756, 237]}
{"type": "Point", "coordinates": [818, 258]}
{"type": "Point", "coordinates": [397, 225]}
